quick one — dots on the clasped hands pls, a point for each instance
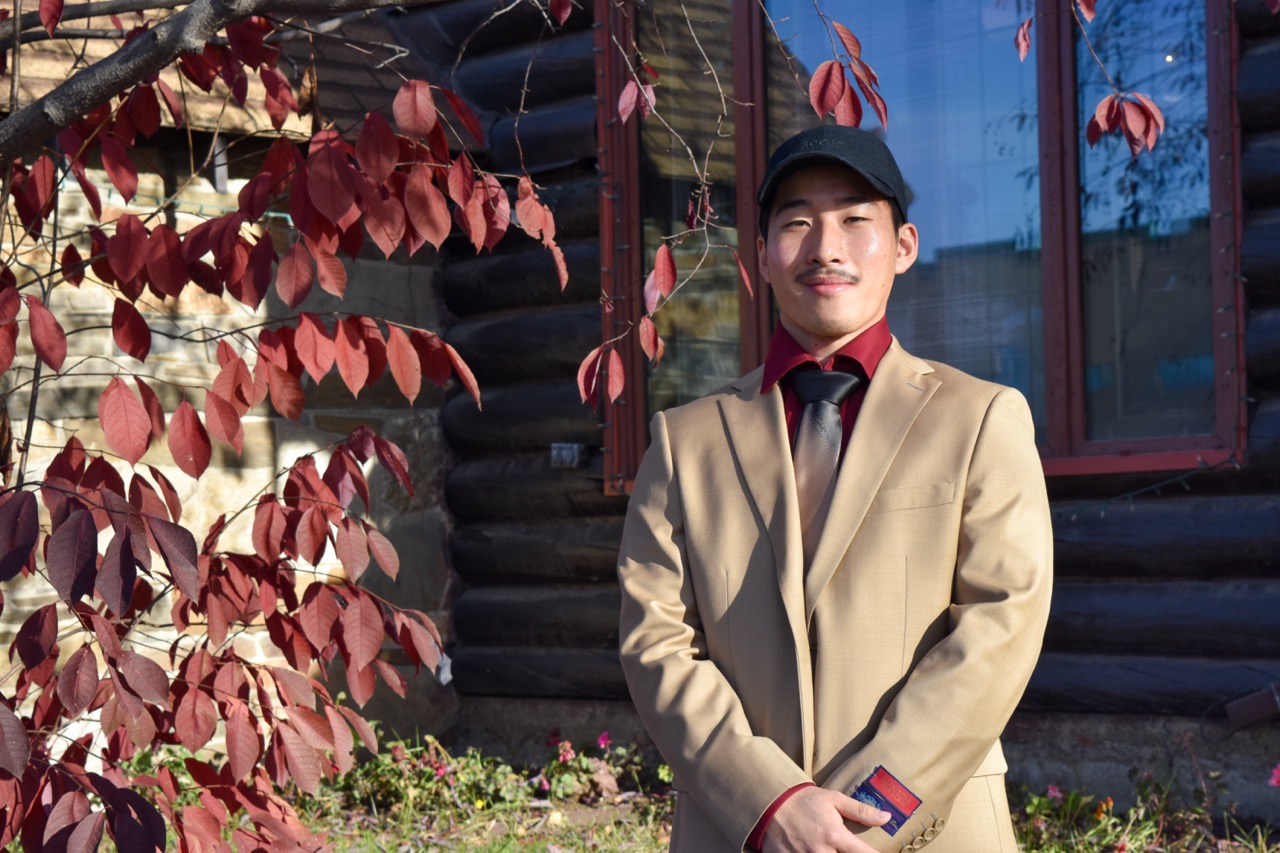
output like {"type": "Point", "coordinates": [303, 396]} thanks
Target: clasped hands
{"type": "Point", "coordinates": [813, 821]}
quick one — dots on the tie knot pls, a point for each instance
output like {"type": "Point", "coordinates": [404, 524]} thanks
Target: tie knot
{"type": "Point", "coordinates": [832, 386]}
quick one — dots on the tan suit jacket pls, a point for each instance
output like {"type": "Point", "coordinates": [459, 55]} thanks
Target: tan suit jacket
{"type": "Point", "coordinates": [908, 642]}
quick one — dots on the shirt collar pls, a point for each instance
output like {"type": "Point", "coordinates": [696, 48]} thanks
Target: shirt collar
{"type": "Point", "coordinates": [785, 354]}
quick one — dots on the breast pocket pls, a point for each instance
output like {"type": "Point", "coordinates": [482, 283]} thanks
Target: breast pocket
{"type": "Point", "coordinates": [912, 497]}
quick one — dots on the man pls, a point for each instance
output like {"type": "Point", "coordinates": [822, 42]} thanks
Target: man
{"type": "Point", "coordinates": [840, 686]}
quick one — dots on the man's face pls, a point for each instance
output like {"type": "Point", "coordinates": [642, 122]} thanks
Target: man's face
{"type": "Point", "coordinates": [831, 255]}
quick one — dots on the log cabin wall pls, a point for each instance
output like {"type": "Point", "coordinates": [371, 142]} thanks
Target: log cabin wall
{"type": "Point", "coordinates": [1166, 601]}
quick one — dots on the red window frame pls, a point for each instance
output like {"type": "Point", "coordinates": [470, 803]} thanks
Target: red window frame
{"type": "Point", "coordinates": [1066, 450]}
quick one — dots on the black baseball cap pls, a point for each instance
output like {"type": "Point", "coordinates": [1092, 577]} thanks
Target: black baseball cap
{"type": "Point", "coordinates": [860, 150]}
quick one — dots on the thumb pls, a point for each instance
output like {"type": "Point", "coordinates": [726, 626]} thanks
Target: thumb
{"type": "Point", "coordinates": [859, 812]}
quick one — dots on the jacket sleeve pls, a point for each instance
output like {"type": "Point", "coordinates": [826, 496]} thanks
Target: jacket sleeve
{"type": "Point", "coordinates": [957, 699]}
{"type": "Point", "coordinates": [689, 708]}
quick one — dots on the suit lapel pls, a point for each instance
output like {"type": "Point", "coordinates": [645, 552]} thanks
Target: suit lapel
{"type": "Point", "coordinates": [898, 392]}
{"type": "Point", "coordinates": [757, 431]}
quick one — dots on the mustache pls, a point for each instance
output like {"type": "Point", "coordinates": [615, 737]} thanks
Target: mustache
{"type": "Point", "coordinates": [844, 275]}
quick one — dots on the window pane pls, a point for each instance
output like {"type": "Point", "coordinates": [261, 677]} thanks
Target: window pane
{"type": "Point", "coordinates": [699, 326]}
{"type": "Point", "coordinates": [1145, 220]}
{"type": "Point", "coordinates": [963, 126]}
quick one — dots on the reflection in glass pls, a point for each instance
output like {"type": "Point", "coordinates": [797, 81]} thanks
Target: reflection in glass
{"type": "Point", "coordinates": [962, 125]}
{"type": "Point", "coordinates": [700, 325]}
{"type": "Point", "coordinates": [1145, 252]}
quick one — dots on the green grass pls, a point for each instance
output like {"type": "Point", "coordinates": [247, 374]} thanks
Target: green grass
{"type": "Point", "coordinates": [607, 798]}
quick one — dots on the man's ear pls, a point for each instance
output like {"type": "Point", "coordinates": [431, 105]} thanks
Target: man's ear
{"type": "Point", "coordinates": [762, 259]}
{"type": "Point", "coordinates": [908, 248]}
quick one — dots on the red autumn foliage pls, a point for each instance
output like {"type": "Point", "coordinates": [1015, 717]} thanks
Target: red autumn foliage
{"type": "Point", "coordinates": [104, 530]}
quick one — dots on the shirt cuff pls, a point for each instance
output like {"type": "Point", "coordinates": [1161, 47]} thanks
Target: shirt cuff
{"type": "Point", "coordinates": [755, 840]}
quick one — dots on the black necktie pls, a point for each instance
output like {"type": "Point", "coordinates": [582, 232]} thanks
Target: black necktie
{"type": "Point", "coordinates": [817, 449]}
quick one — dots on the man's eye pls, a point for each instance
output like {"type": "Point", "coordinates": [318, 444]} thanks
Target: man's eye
{"type": "Point", "coordinates": [795, 223]}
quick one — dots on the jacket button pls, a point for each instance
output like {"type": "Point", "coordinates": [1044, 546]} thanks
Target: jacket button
{"type": "Point", "coordinates": [930, 834]}
{"type": "Point", "coordinates": [918, 843]}
{"type": "Point", "coordinates": [940, 824]}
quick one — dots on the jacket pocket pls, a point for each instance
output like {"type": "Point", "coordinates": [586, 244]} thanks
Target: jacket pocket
{"type": "Point", "coordinates": [912, 497]}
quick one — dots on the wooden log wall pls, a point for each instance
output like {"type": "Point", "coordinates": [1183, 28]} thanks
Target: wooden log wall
{"type": "Point", "coordinates": [534, 545]}
{"type": "Point", "coordinates": [1165, 601]}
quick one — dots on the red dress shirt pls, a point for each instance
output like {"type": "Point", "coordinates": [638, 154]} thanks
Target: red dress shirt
{"type": "Point", "coordinates": [786, 355]}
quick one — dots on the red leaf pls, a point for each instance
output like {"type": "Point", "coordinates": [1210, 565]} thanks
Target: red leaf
{"type": "Point", "coordinates": [352, 547]}
{"type": "Point", "coordinates": [1088, 8]}
{"type": "Point", "coordinates": [377, 150]}
{"type": "Point", "coordinates": [130, 330]}
{"type": "Point", "coordinates": [330, 271]}
{"type": "Point", "coordinates": [50, 15]}
{"type": "Point", "coordinates": [849, 40]}
{"type": "Point", "coordinates": [244, 745]}
{"type": "Point", "coordinates": [223, 421]}
{"type": "Point", "coordinates": [589, 376]}
{"type": "Point", "coordinates": [468, 117]}
{"type": "Point", "coordinates": [627, 100]}
{"type": "Point", "coordinates": [533, 215]}
{"type": "Point", "coordinates": [650, 341]}
{"type": "Point", "coordinates": [294, 275]}
{"type": "Point", "coordinates": [171, 499]}
{"type": "Point", "coordinates": [10, 303]}
{"type": "Point", "coordinates": [19, 532]}
{"type": "Point", "coordinates": [329, 184]}
{"type": "Point", "coordinates": [560, 10]}
{"type": "Point", "coordinates": [286, 393]}
{"type": "Point", "coordinates": [315, 347]}
{"type": "Point", "coordinates": [426, 207]}
{"type": "Point", "coordinates": [394, 460]}
{"type": "Point", "coordinates": [15, 745]}
{"type": "Point", "coordinates": [127, 247]}
{"type": "Point", "coordinates": [362, 630]}
{"type": "Point", "coordinates": [403, 360]}
{"type": "Point", "coordinates": [312, 535]}
{"type": "Point", "coordinates": [118, 572]}
{"type": "Point", "coordinates": [496, 210]}
{"type": "Point", "coordinates": [384, 219]}
{"type": "Point", "coordinates": [318, 614]}
{"type": "Point", "coordinates": [1022, 39]}
{"type": "Point", "coordinates": [78, 681]}
{"type": "Point", "coordinates": [415, 109]}
{"type": "Point", "coordinates": [151, 402]}
{"type": "Point", "coordinates": [742, 271]}
{"type": "Point", "coordinates": [125, 421]}
{"type": "Point", "coordinates": [848, 111]}
{"type": "Point", "coordinates": [178, 550]}
{"type": "Point", "coordinates": [196, 719]}
{"type": "Point", "coordinates": [37, 637]}
{"type": "Point", "coordinates": [188, 441]}
{"type": "Point", "coordinates": [361, 681]}
{"type": "Point", "coordinates": [343, 743]}
{"type": "Point", "coordinates": [71, 556]}
{"type": "Point", "coordinates": [827, 87]}
{"type": "Point", "coordinates": [171, 102]}
{"type": "Point", "coordinates": [47, 336]}
{"type": "Point", "coordinates": [146, 678]}
{"type": "Point", "coordinates": [119, 165]}
{"type": "Point", "coordinates": [279, 100]}
{"type": "Point", "coordinates": [463, 372]}
{"type": "Point", "coordinates": [384, 552]}
{"type": "Point", "coordinates": [301, 759]}
{"type": "Point", "coordinates": [351, 355]}
{"type": "Point", "coordinates": [72, 265]}
{"type": "Point", "coordinates": [662, 281]}
{"type": "Point", "coordinates": [8, 345]}
{"type": "Point", "coordinates": [144, 110]}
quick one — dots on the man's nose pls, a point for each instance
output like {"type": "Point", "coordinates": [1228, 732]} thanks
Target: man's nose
{"type": "Point", "coordinates": [827, 243]}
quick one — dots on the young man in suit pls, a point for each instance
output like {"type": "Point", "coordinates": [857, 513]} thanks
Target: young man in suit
{"type": "Point", "coordinates": [826, 652]}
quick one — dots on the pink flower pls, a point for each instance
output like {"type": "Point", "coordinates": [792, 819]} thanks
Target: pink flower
{"type": "Point", "coordinates": [544, 784]}
{"type": "Point", "coordinates": [1275, 776]}
{"type": "Point", "coordinates": [566, 752]}
{"type": "Point", "coordinates": [1054, 793]}
{"type": "Point", "coordinates": [603, 741]}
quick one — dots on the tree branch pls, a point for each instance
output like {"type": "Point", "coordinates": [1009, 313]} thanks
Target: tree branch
{"type": "Point", "coordinates": [184, 32]}
{"type": "Point", "coordinates": [80, 11]}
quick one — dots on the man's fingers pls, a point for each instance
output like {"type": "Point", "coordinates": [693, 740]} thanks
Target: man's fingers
{"type": "Point", "coordinates": [851, 809]}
